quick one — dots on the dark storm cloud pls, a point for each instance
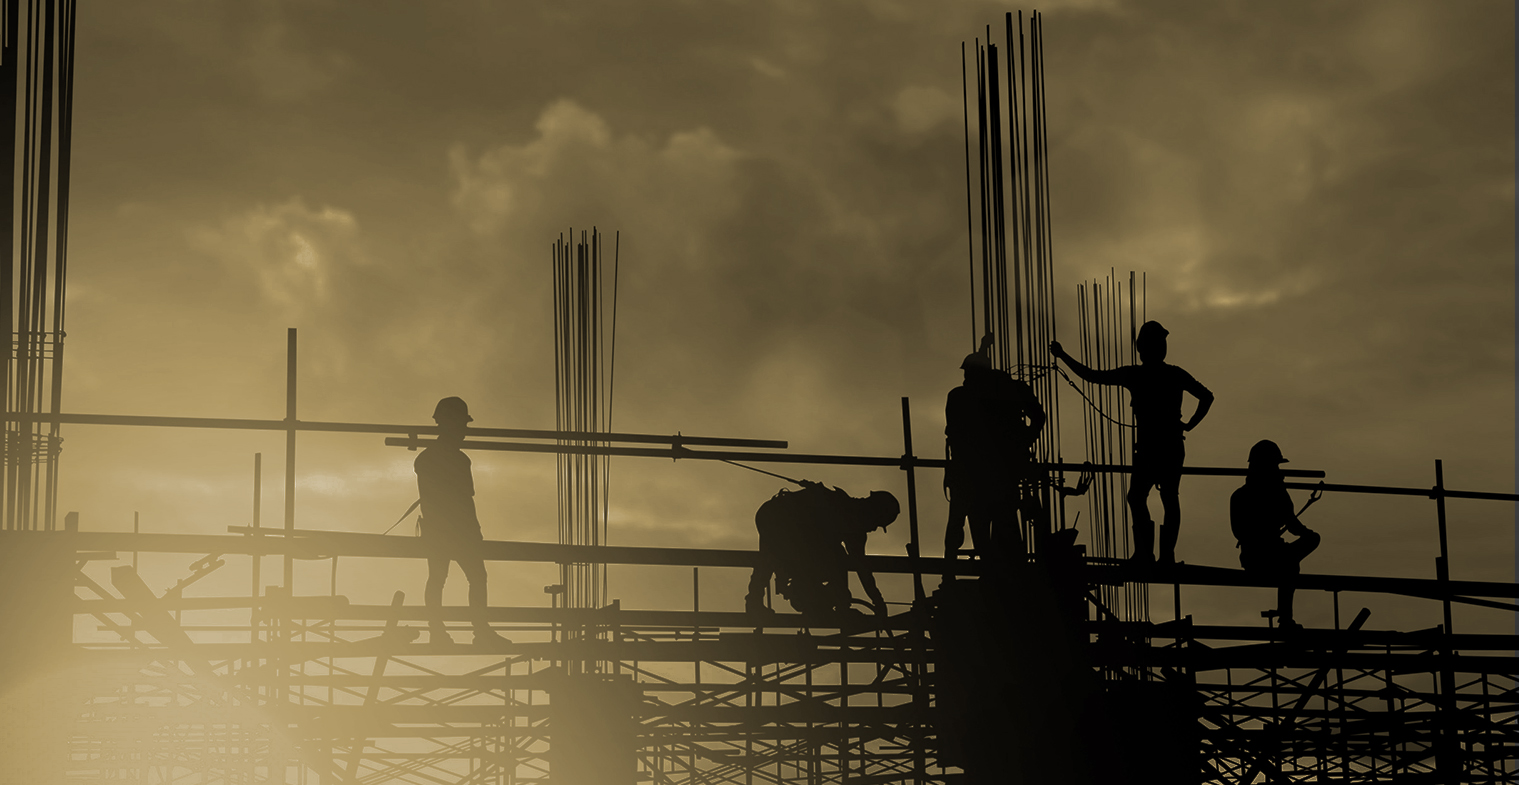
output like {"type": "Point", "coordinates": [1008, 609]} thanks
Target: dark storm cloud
{"type": "Point", "coordinates": [1321, 195]}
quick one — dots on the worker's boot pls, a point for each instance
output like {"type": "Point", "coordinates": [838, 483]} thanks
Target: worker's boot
{"type": "Point", "coordinates": [1168, 545]}
{"type": "Point", "coordinates": [1144, 543]}
{"type": "Point", "coordinates": [437, 633]}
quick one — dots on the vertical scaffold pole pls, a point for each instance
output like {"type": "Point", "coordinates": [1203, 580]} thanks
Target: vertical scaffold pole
{"type": "Point", "coordinates": [1447, 762]}
{"type": "Point", "coordinates": [289, 450]}
{"type": "Point", "coordinates": [912, 502]}
{"type": "Point", "coordinates": [258, 495]}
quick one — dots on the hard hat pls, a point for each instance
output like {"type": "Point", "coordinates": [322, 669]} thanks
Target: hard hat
{"type": "Point", "coordinates": [453, 409]}
{"type": "Point", "coordinates": [976, 360]}
{"type": "Point", "coordinates": [886, 504]}
{"type": "Point", "coordinates": [1266, 451]}
{"type": "Point", "coordinates": [1151, 331]}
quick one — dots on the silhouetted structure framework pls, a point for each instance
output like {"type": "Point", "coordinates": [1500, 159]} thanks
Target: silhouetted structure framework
{"type": "Point", "coordinates": [339, 691]}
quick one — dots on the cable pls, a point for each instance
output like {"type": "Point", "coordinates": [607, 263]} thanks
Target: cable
{"type": "Point", "coordinates": [802, 483]}
{"type": "Point", "coordinates": [1078, 390]}
{"type": "Point", "coordinates": [414, 505]}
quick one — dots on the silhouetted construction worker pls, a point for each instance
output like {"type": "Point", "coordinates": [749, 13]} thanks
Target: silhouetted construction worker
{"type": "Point", "coordinates": [449, 524]}
{"type": "Point", "coordinates": [990, 422]}
{"type": "Point", "coordinates": [807, 539]}
{"type": "Point", "coordinates": [1155, 390]}
{"type": "Point", "coordinates": [1258, 514]}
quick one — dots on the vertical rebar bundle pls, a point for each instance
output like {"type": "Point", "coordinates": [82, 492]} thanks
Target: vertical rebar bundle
{"type": "Point", "coordinates": [1108, 327]}
{"type": "Point", "coordinates": [1010, 217]}
{"type": "Point", "coordinates": [583, 340]}
{"type": "Point", "coordinates": [40, 128]}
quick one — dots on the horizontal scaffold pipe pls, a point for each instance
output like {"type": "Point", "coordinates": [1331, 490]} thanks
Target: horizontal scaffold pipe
{"type": "Point", "coordinates": [327, 607]}
{"type": "Point", "coordinates": [354, 427]}
{"type": "Point", "coordinates": [1387, 490]}
{"type": "Point", "coordinates": [1313, 638]}
{"type": "Point", "coordinates": [1283, 656]}
{"type": "Point", "coordinates": [307, 544]}
{"type": "Point", "coordinates": [1200, 575]}
{"type": "Point", "coordinates": [788, 648]}
{"type": "Point", "coordinates": [678, 452]}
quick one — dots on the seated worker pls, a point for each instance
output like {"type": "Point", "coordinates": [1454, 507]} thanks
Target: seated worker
{"type": "Point", "coordinates": [1258, 514]}
{"type": "Point", "coordinates": [806, 539]}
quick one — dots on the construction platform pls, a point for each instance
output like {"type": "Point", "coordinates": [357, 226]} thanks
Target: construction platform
{"type": "Point", "coordinates": [315, 689]}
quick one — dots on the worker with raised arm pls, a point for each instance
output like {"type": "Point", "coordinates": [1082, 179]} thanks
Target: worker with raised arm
{"type": "Point", "coordinates": [1259, 513]}
{"type": "Point", "coordinates": [1155, 392]}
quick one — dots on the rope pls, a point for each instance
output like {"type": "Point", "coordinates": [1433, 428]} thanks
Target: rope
{"type": "Point", "coordinates": [1079, 391]}
{"type": "Point", "coordinates": [414, 505]}
{"type": "Point", "coordinates": [762, 471]}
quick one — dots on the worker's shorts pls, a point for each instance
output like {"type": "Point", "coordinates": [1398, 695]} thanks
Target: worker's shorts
{"type": "Point", "coordinates": [1158, 464]}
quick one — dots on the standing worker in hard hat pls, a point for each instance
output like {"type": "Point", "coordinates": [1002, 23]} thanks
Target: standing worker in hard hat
{"type": "Point", "coordinates": [449, 526]}
{"type": "Point", "coordinates": [990, 422]}
{"type": "Point", "coordinates": [1259, 512]}
{"type": "Point", "coordinates": [1155, 392]}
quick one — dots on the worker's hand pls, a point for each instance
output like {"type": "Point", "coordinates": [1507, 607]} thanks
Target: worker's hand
{"type": "Point", "coordinates": [1056, 349]}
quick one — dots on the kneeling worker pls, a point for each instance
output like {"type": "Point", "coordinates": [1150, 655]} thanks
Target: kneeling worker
{"type": "Point", "coordinates": [1258, 514]}
{"type": "Point", "coordinates": [807, 539]}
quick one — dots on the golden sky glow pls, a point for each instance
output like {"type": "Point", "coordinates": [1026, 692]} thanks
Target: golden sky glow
{"type": "Point", "coordinates": [1321, 194]}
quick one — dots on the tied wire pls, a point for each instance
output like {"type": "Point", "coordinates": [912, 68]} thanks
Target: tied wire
{"type": "Point", "coordinates": [1041, 371]}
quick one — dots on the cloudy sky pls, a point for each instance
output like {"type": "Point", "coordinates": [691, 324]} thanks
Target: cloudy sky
{"type": "Point", "coordinates": [1321, 196]}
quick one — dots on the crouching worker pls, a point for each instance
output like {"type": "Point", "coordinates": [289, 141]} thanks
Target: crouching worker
{"type": "Point", "coordinates": [1259, 512]}
{"type": "Point", "coordinates": [807, 539]}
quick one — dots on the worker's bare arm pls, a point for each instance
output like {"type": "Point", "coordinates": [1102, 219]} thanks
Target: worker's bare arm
{"type": "Point", "coordinates": [856, 553]}
{"type": "Point", "coordinates": [1088, 374]}
{"type": "Point", "coordinates": [1204, 402]}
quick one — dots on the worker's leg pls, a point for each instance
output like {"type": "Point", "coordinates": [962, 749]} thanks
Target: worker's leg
{"type": "Point", "coordinates": [474, 570]}
{"type": "Point", "coordinates": [1166, 462]}
{"type": "Point", "coordinates": [1292, 555]}
{"type": "Point", "coordinates": [759, 580]}
{"type": "Point", "coordinates": [1299, 549]}
{"type": "Point", "coordinates": [1170, 526]}
{"type": "Point", "coordinates": [432, 596]}
{"type": "Point", "coordinates": [1007, 530]}
{"type": "Point", "coordinates": [980, 517]}
{"type": "Point", "coordinates": [1286, 571]}
{"type": "Point", "coordinates": [1143, 524]}
{"type": "Point", "coordinates": [954, 529]}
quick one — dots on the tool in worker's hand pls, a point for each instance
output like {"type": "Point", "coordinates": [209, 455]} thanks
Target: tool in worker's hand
{"type": "Point", "coordinates": [1318, 493]}
{"type": "Point", "coordinates": [414, 505]}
